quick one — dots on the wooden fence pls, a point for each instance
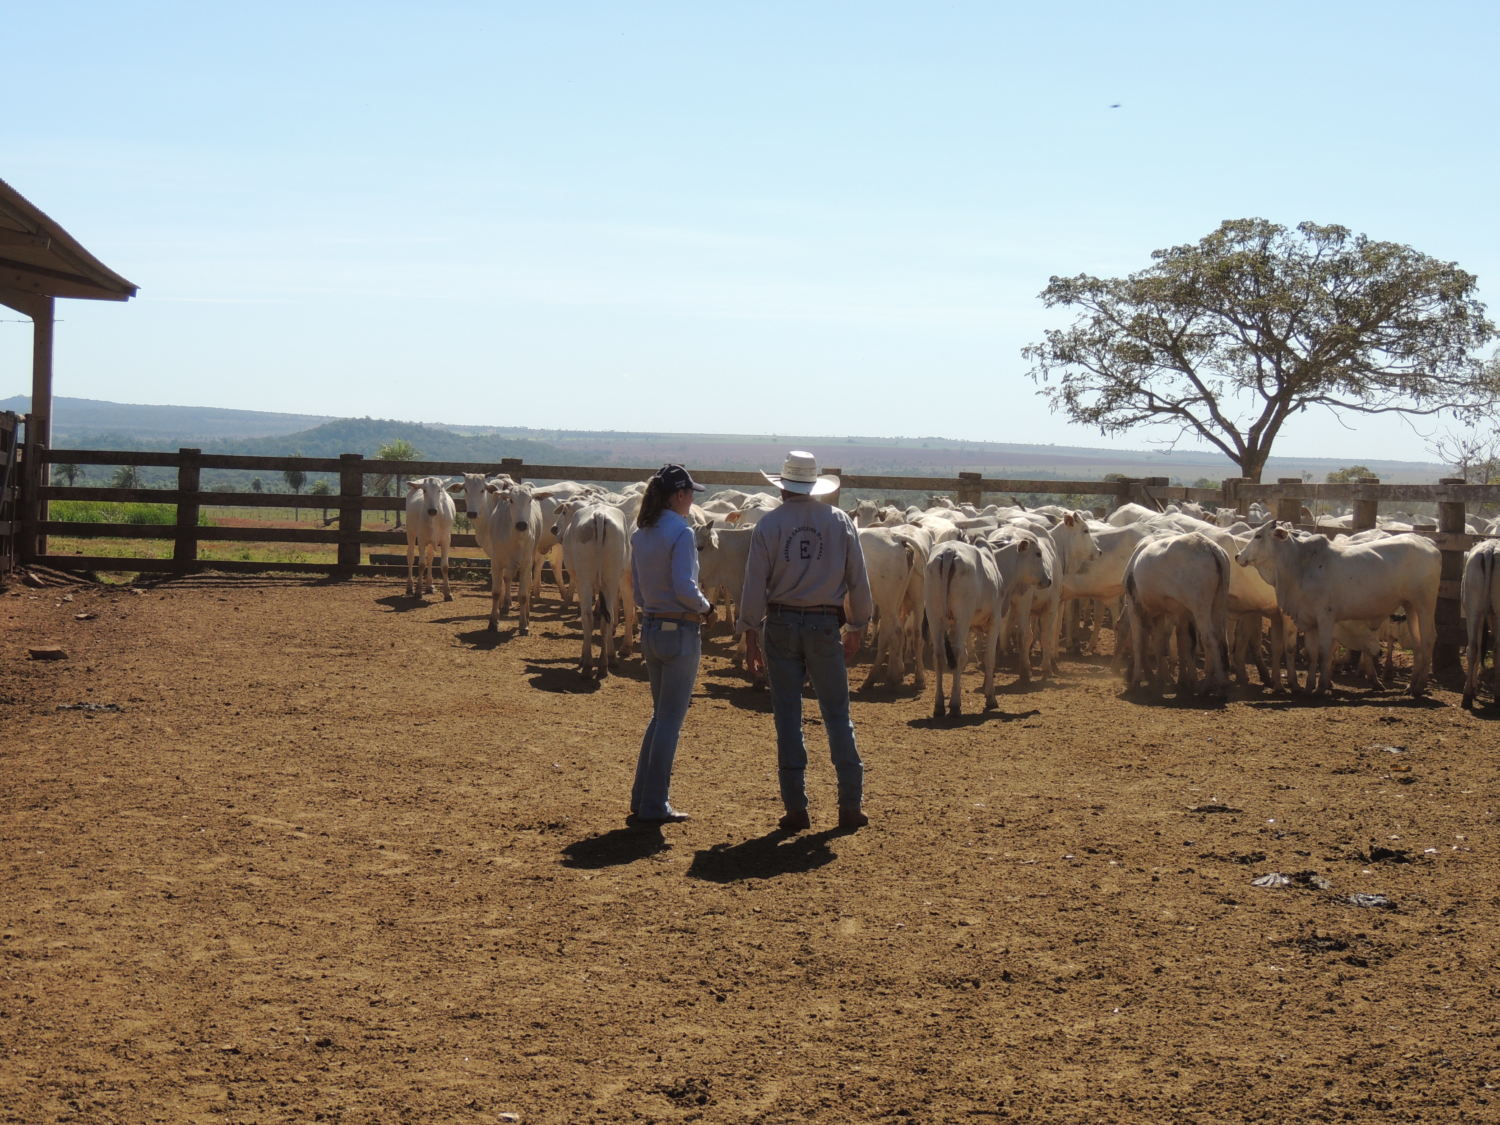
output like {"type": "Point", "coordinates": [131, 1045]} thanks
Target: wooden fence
{"type": "Point", "coordinates": [349, 535]}
{"type": "Point", "coordinates": [25, 536]}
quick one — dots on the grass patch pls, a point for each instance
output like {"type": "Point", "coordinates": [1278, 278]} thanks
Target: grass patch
{"type": "Point", "coordinates": [98, 511]}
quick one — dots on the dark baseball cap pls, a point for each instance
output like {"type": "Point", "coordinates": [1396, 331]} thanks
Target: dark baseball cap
{"type": "Point", "coordinates": [674, 477]}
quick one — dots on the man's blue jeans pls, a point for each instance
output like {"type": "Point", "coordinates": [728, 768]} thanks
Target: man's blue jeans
{"type": "Point", "coordinates": [800, 645]}
{"type": "Point", "coordinates": [672, 650]}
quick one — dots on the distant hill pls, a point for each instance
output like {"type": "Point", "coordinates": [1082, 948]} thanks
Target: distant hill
{"type": "Point", "coordinates": [80, 419]}
{"type": "Point", "coordinates": [88, 423]}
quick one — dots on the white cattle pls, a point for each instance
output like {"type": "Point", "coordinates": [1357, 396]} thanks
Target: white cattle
{"type": "Point", "coordinates": [1130, 513]}
{"type": "Point", "coordinates": [429, 529]}
{"type": "Point", "coordinates": [595, 540]}
{"type": "Point", "coordinates": [1178, 583]}
{"type": "Point", "coordinates": [867, 513]}
{"type": "Point", "coordinates": [548, 549]}
{"type": "Point", "coordinates": [1102, 578]}
{"type": "Point", "coordinates": [893, 562]}
{"type": "Point", "coordinates": [478, 500]}
{"type": "Point", "coordinates": [510, 519]}
{"type": "Point", "coordinates": [1319, 583]}
{"type": "Point", "coordinates": [722, 555]}
{"type": "Point", "coordinates": [970, 587]}
{"type": "Point", "coordinates": [1038, 611]}
{"type": "Point", "coordinates": [1479, 594]}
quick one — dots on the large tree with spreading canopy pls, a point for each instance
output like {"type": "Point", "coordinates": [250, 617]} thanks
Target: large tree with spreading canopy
{"type": "Point", "coordinates": [1227, 339]}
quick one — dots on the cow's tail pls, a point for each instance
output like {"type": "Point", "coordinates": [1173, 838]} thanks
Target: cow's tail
{"type": "Point", "coordinates": [946, 570]}
{"type": "Point", "coordinates": [602, 530]}
{"type": "Point", "coordinates": [1489, 562]}
{"type": "Point", "coordinates": [1221, 609]}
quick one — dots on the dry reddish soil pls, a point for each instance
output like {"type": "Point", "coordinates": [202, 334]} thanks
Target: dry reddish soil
{"type": "Point", "coordinates": [288, 851]}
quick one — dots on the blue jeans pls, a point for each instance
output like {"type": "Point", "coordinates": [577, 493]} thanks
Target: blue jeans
{"type": "Point", "coordinates": [671, 650]}
{"type": "Point", "coordinates": [805, 645]}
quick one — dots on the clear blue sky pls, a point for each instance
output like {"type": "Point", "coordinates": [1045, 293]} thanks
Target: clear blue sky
{"type": "Point", "coordinates": [710, 216]}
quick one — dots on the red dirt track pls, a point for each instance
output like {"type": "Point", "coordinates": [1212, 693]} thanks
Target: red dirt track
{"type": "Point", "coordinates": [314, 851]}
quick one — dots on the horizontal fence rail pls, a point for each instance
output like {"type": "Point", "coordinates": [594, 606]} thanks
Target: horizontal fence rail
{"type": "Point", "coordinates": [345, 543]}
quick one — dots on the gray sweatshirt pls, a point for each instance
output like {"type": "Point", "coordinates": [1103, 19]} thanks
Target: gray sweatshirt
{"type": "Point", "coordinates": [805, 553]}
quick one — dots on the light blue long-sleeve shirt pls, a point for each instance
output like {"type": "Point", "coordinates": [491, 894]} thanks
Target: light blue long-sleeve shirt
{"type": "Point", "coordinates": [664, 564]}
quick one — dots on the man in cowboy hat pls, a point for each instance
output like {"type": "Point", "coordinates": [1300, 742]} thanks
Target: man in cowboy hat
{"type": "Point", "coordinates": [804, 560]}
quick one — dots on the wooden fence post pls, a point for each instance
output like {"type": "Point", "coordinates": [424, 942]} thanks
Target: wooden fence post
{"type": "Point", "coordinates": [1450, 632]}
{"type": "Point", "coordinates": [969, 491]}
{"type": "Point", "coordinates": [189, 476]}
{"type": "Point", "coordinates": [1366, 512]}
{"type": "Point", "coordinates": [1230, 487]}
{"type": "Point", "coordinates": [1289, 504]}
{"type": "Point", "coordinates": [837, 494]}
{"type": "Point", "coordinates": [351, 510]}
{"type": "Point", "coordinates": [1140, 491]}
{"type": "Point", "coordinates": [511, 467]}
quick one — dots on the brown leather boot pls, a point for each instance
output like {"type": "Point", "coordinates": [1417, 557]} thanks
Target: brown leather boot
{"type": "Point", "coordinates": [795, 821]}
{"type": "Point", "coordinates": [852, 817]}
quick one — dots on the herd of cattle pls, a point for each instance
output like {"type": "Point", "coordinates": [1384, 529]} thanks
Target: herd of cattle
{"type": "Point", "coordinates": [1207, 591]}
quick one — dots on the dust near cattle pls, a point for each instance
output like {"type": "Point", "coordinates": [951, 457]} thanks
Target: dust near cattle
{"type": "Point", "coordinates": [278, 851]}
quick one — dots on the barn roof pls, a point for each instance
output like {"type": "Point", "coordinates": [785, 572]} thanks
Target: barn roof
{"type": "Point", "coordinates": [40, 259]}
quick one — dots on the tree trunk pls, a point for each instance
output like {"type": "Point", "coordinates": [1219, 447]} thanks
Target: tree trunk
{"type": "Point", "coordinates": [1252, 464]}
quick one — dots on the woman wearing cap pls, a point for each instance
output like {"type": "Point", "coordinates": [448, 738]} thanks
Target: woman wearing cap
{"type": "Point", "coordinates": [664, 565]}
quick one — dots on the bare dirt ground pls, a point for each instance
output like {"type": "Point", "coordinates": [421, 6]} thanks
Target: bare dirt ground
{"type": "Point", "coordinates": [287, 851]}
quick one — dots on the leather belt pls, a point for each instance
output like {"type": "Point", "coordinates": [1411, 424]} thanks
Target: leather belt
{"type": "Point", "coordinates": [835, 610]}
{"type": "Point", "coordinates": [694, 617]}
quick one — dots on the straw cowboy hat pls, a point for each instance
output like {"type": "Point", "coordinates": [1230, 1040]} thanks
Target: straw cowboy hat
{"type": "Point", "coordinates": [800, 474]}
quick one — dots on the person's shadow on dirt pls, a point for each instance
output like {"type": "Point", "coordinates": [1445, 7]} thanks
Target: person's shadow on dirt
{"type": "Point", "coordinates": [404, 603]}
{"type": "Point", "coordinates": [776, 853]}
{"type": "Point", "coordinates": [623, 845]}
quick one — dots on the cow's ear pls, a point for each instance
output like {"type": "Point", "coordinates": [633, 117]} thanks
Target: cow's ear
{"type": "Point", "coordinates": [492, 487]}
{"type": "Point", "coordinates": [1281, 533]}
{"type": "Point", "coordinates": [734, 517]}
{"type": "Point", "coordinates": [1069, 520]}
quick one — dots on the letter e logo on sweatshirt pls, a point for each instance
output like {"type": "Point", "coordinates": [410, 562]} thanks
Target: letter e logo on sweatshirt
{"type": "Point", "coordinates": [809, 544]}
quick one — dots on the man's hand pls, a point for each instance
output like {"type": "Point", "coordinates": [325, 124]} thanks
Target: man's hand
{"type": "Point", "coordinates": [755, 660]}
{"type": "Point", "coordinates": [852, 640]}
